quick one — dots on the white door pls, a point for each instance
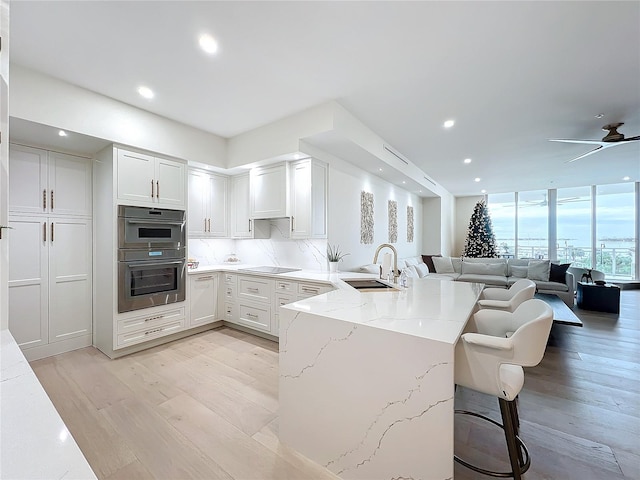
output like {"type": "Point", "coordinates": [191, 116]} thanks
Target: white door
{"type": "Point", "coordinates": [69, 279]}
{"type": "Point", "coordinates": [28, 192]}
{"type": "Point", "coordinates": [28, 280]}
{"type": "Point", "coordinates": [69, 185]}
{"type": "Point", "coordinates": [240, 227]}
{"type": "Point", "coordinates": [301, 199]}
{"type": "Point", "coordinates": [219, 226]}
{"type": "Point", "coordinates": [135, 173]}
{"type": "Point", "coordinates": [170, 183]}
{"type": "Point", "coordinates": [196, 213]}
{"type": "Point", "coordinates": [202, 294]}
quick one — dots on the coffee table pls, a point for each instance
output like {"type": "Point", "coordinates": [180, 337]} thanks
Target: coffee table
{"type": "Point", "coordinates": [601, 298]}
{"type": "Point", "coordinates": [561, 313]}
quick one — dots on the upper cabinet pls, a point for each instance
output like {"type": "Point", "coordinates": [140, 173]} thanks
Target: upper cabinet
{"type": "Point", "coordinates": [269, 187]}
{"type": "Point", "coordinates": [146, 180]}
{"type": "Point", "coordinates": [308, 199]}
{"type": "Point", "coordinates": [207, 216]}
{"type": "Point", "coordinates": [51, 183]}
{"type": "Point", "coordinates": [242, 225]}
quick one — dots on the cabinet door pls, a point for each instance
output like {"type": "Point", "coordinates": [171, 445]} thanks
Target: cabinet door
{"type": "Point", "coordinates": [28, 192]}
{"type": "Point", "coordinates": [301, 199]}
{"type": "Point", "coordinates": [218, 211]}
{"type": "Point", "coordinates": [196, 213]}
{"type": "Point", "coordinates": [69, 185]}
{"type": "Point", "coordinates": [28, 280]}
{"type": "Point", "coordinates": [135, 177]}
{"type": "Point", "coordinates": [170, 180]}
{"type": "Point", "coordinates": [202, 298]}
{"type": "Point", "coordinates": [319, 180]}
{"type": "Point", "coordinates": [69, 279]}
{"type": "Point", "coordinates": [240, 221]}
{"type": "Point", "coordinates": [270, 191]}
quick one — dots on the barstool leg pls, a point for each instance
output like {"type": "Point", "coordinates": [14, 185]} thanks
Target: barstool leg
{"type": "Point", "coordinates": [516, 426]}
{"type": "Point", "coordinates": [509, 434]}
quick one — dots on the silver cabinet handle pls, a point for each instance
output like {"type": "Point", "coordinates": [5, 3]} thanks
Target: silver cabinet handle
{"type": "Point", "coordinates": [249, 224]}
{"type": "Point", "coordinates": [153, 318]}
{"type": "Point", "coordinates": [51, 232]}
{"type": "Point", "coordinates": [292, 220]}
{"type": "Point", "coordinates": [44, 232]}
{"type": "Point", "coordinates": [157, 188]}
{"type": "Point", "coordinates": [209, 277]}
{"type": "Point", "coordinates": [205, 224]}
{"type": "Point", "coordinates": [51, 200]}
{"type": "Point", "coordinates": [44, 199]}
{"type": "Point", "coordinates": [309, 290]}
{"type": "Point", "coordinates": [209, 227]}
{"type": "Point", "coordinates": [152, 193]}
{"type": "Point", "coordinates": [251, 315]}
{"type": "Point", "coordinates": [251, 289]}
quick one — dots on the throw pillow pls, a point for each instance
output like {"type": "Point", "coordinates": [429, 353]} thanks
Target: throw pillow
{"type": "Point", "coordinates": [457, 264]}
{"type": "Point", "coordinates": [443, 264]}
{"type": "Point", "coordinates": [519, 271]}
{"type": "Point", "coordinates": [422, 270]}
{"type": "Point", "coordinates": [428, 260]}
{"type": "Point", "coordinates": [558, 272]}
{"type": "Point", "coordinates": [538, 270]}
{"type": "Point", "coordinates": [411, 271]}
{"type": "Point", "coordinates": [411, 261]}
{"type": "Point", "coordinates": [483, 268]}
{"type": "Point", "coordinates": [370, 268]}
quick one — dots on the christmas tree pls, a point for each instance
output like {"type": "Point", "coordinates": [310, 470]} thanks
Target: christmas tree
{"type": "Point", "coordinates": [481, 242]}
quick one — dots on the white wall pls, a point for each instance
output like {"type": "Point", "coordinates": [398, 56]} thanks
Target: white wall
{"type": "Point", "coordinates": [46, 100]}
{"type": "Point", "coordinates": [432, 225]}
{"type": "Point", "coordinates": [463, 210]}
{"type": "Point", "coordinates": [4, 163]}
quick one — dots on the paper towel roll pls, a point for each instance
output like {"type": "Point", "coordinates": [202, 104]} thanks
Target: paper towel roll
{"type": "Point", "coordinates": [386, 266]}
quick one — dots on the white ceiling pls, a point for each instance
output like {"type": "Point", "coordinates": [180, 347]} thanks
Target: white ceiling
{"type": "Point", "coordinates": [512, 74]}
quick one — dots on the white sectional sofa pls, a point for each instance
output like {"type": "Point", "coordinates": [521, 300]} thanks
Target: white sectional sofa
{"type": "Point", "coordinates": [494, 272]}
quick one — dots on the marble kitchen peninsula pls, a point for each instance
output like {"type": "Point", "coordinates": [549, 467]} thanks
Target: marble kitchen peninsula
{"type": "Point", "coordinates": [366, 379]}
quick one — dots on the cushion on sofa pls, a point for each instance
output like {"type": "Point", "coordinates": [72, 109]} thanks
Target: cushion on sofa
{"type": "Point", "coordinates": [519, 271]}
{"type": "Point", "coordinates": [443, 265]}
{"type": "Point", "coordinates": [421, 269]}
{"type": "Point", "coordinates": [558, 273]}
{"type": "Point", "coordinates": [427, 259]}
{"type": "Point", "coordinates": [515, 262]}
{"type": "Point", "coordinates": [484, 260]}
{"type": "Point", "coordinates": [457, 264]}
{"type": "Point", "coordinates": [496, 280]}
{"type": "Point", "coordinates": [412, 261]}
{"type": "Point", "coordinates": [411, 271]}
{"type": "Point", "coordinates": [538, 270]}
{"type": "Point", "coordinates": [484, 268]}
{"type": "Point", "coordinates": [370, 268]}
{"type": "Point", "coordinates": [552, 286]}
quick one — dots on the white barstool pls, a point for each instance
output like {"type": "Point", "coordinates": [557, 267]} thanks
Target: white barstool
{"type": "Point", "coordinates": [510, 299]}
{"type": "Point", "coordinates": [490, 361]}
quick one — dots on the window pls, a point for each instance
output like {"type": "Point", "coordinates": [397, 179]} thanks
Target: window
{"type": "Point", "coordinates": [615, 230]}
{"type": "Point", "coordinates": [502, 209]}
{"type": "Point", "coordinates": [574, 226]}
{"type": "Point", "coordinates": [533, 224]}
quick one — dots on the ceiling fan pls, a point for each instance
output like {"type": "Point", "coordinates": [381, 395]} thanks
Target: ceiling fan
{"type": "Point", "coordinates": [611, 139]}
{"type": "Point", "coordinates": [544, 202]}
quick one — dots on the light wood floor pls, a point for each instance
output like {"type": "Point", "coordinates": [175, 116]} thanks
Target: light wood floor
{"type": "Point", "coordinates": [206, 407]}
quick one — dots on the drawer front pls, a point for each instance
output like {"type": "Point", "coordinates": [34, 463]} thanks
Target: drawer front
{"type": "Point", "coordinates": [283, 299]}
{"type": "Point", "coordinates": [306, 290]}
{"type": "Point", "coordinates": [229, 292]}
{"type": "Point", "coordinates": [230, 279]}
{"type": "Point", "coordinates": [284, 286]}
{"type": "Point", "coordinates": [255, 289]}
{"type": "Point", "coordinates": [230, 312]}
{"type": "Point", "coordinates": [132, 338]}
{"type": "Point", "coordinates": [255, 316]}
{"type": "Point", "coordinates": [146, 322]}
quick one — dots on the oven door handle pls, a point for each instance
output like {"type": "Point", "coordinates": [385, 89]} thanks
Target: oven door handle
{"type": "Point", "coordinates": [154, 264]}
{"type": "Point", "coordinates": [152, 222]}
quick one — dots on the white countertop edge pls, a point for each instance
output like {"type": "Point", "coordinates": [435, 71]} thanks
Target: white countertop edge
{"type": "Point", "coordinates": [36, 443]}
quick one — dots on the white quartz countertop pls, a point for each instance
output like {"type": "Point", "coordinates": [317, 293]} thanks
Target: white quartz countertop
{"type": "Point", "coordinates": [433, 309]}
{"type": "Point", "coordinates": [34, 443]}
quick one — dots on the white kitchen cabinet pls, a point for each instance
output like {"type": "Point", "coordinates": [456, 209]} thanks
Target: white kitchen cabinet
{"type": "Point", "coordinates": [203, 292]}
{"type": "Point", "coordinates": [269, 191]}
{"type": "Point", "coordinates": [242, 225]}
{"type": "Point", "coordinates": [308, 199]}
{"type": "Point", "coordinates": [43, 182]}
{"type": "Point", "coordinates": [132, 329]}
{"type": "Point", "coordinates": [50, 277]}
{"type": "Point", "coordinates": [147, 180]}
{"type": "Point", "coordinates": [207, 215]}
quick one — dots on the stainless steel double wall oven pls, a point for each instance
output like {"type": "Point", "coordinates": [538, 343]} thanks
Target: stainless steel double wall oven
{"type": "Point", "coordinates": [151, 257]}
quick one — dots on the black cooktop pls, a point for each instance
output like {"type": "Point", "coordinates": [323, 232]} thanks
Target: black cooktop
{"type": "Point", "coordinates": [268, 269]}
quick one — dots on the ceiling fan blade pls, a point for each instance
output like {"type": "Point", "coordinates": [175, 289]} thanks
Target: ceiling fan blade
{"type": "Point", "coordinates": [588, 142]}
{"type": "Point", "coordinates": [585, 154]}
{"type": "Point", "coordinates": [631, 139]}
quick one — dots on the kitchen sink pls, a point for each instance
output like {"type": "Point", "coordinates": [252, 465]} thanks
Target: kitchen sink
{"type": "Point", "coordinates": [370, 285]}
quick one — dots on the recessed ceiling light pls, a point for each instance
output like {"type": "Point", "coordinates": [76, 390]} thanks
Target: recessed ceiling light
{"type": "Point", "coordinates": [62, 133]}
{"type": "Point", "coordinates": [467, 160]}
{"type": "Point", "coordinates": [449, 123]}
{"type": "Point", "coordinates": [626, 178]}
{"type": "Point", "coordinates": [208, 43]}
{"type": "Point", "coordinates": [600, 115]}
{"type": "Point", "coordinates": [483, 191]}
{"type": "Point", "coordinates": [380, 169]}
{"type": "Point", "coordinates": [146, 92]}
{"type": "Point", "coordinates": [477, 179]}
{"type": "Point", "coordinates": [403, 182]}
{"type": "Point", "coordinates": [420, 191]}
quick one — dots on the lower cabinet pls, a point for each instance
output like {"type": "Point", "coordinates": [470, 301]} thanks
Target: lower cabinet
{"type": "Point", "coordinates": [255, 315]}
{"type": "Point", "coordinates": [202, 294]}
{"type": "Point", "coordinates": [135, 329]}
